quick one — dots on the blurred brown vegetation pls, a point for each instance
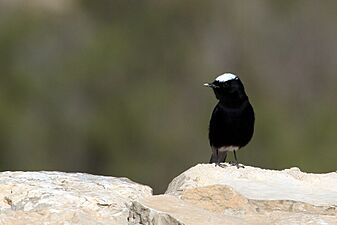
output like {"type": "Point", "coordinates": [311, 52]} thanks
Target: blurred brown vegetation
{"type": "Point", "coordinates": [115, 87]}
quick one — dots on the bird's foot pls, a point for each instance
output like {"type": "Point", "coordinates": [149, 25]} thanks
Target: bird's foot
{"type": "Point", "coordinates": [236, 164]}
{"type": "Point", "coordinates": [222, 165]}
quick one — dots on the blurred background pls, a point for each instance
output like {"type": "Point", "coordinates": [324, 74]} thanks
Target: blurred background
{"type": "Point", "coordinates": [115, 87]}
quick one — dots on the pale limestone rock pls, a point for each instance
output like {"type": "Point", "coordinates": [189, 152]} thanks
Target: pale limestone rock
{"type": "Point", "coordinates": [206, 194]}
{"type": "Point", "coordinates": [170, 210]}
{"type": "Point", "coordinates": [66, 198]}
{"type": "Point", "coordinates": [219, 204]}
{"type": "Point", "coordinates": [262, 184]}
{"type": "Point", "coordinates": [203, 195]}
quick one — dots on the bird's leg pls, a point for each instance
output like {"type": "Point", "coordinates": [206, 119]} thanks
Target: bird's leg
{"type": "Point", "coordinates": [218, 157]}
{"type": "Point", "coordinates": [214, 156]}
{"type": "Point", "coordinates": [236, 163]}
{"type": "Point", "coordinates": [222, 159]}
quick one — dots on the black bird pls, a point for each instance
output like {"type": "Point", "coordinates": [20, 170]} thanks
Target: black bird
{"type": "Point", "coordinates": [232, 123]}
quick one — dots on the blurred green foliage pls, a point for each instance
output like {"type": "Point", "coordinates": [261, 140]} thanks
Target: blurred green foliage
{"type": "Point", "coordinates": [115, 87]}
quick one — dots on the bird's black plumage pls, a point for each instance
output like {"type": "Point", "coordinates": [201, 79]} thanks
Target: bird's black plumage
{"type": "Point", "coordinates": [232, 122]}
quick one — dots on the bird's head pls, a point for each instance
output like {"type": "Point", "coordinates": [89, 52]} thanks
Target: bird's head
{"type": "Point", "coordinates": [227, 87]}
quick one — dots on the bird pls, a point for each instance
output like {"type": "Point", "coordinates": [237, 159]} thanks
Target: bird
{"type": "Point", "coordinates": [231, 126]}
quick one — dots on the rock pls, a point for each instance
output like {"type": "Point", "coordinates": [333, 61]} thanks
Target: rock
{"type": "Point", "coordinates": [262, 184]}
{"type": "Point", "coordinates": [218, 204]}
{"type": "Point", "coordinates": [206, 194]}
{"type": "Point", "coordinates": [66, 198]}
{"type": "Point", "coordinates": [170, 210]}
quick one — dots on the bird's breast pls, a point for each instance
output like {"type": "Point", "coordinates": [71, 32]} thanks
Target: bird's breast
{"type": "Point", "coordinates": [231, 126]}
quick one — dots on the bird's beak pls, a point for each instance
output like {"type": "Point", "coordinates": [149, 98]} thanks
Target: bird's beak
{"type": "Point", "coordinates": [210, 85]}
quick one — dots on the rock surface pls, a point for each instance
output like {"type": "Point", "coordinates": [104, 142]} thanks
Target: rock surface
{"type": "Point", "coordinates": [206, 194]}
{"type": "Point", "coordinates": [262, 184]}
{"type": "Point", "coordinates": [221, 205]}
{"type": "Point", "coordinates": [202, 195]}
{"type": "Point", "coordinates": [66, 198]}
